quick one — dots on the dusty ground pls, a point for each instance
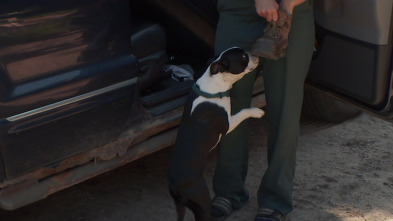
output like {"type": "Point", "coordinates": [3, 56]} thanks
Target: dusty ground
{"type": "Point", "coordinates": [345, 172]}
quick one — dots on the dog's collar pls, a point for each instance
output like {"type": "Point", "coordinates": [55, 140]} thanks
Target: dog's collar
{"type": "Point", "coordinates": [198, 91]}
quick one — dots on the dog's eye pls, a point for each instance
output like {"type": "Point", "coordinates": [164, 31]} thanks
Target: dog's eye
{"type": "Point", "coordinates": [245, 58]}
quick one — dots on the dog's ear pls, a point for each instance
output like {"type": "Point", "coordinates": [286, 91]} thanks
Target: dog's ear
{"type": "Point", "coordinates": [218, 66]}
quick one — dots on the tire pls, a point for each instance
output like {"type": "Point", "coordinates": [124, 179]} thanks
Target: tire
{"type": "Point", "coordinates": [321, 106]}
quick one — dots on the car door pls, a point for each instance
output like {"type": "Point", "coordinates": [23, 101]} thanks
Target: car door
{"type": "Point", "coordinates": [353, 52]}
{"type": "Point", "coordinates": [67, 79]}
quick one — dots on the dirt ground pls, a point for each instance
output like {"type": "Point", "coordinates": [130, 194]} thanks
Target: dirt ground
{"type": "Point", "coordinates": [344, 172]}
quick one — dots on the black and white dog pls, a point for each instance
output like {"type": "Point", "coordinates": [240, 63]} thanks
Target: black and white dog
{"type": "Point", "coordinates": [206, 118]}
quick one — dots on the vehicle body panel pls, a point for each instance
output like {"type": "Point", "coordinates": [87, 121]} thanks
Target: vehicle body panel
{"type": "Point", "coordinates": [66, 67]}
{"type": "Point", "coordinates": [353, 59]}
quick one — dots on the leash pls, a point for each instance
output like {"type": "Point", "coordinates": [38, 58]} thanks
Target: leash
{"type": "Point", "coordinates": [198, 91]}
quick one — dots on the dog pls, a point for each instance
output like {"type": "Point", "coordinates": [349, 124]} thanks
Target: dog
{"type": "Point", "coordinates": [206, 118]}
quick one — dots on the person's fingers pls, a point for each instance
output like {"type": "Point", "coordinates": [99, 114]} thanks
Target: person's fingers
{"type": "Point", "coordinates": [269, 17]}
{"type": "Point", "coordinates": [267, 9]}
{"type": "Point", "coordinates": [275, 16]}
{"type": "Point", "coordinates": [262, 13]}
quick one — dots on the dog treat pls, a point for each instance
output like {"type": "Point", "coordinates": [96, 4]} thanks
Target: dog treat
{"type": "Point", "coordinates": [274, 43]}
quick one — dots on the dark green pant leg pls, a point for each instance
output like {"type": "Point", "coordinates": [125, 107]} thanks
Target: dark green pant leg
{"type": "Point", "coordinates": [284, 80]}
{"type": "Point", "coordinates": [237, 27]}
{"type": "Point", "coordinates": [232, 163]}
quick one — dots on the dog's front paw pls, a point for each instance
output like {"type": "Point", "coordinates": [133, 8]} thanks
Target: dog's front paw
{"type": "Point", "coordinates": [256, 112]}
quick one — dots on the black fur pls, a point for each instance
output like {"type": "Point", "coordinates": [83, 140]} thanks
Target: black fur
{"type": "Point", "coordinates": [200, 132]}
{"type": "Point", "coordinates": [233, 61]}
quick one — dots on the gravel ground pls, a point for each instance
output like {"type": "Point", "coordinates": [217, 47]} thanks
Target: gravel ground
{"type": "Point", "coordinates": [344, 172]}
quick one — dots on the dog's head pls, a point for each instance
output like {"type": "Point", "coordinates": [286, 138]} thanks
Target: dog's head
{"type": "Point", "coordinates": [235, 63]}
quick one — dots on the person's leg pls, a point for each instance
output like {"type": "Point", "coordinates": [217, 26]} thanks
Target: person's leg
{"type": "Point", "coordinates": [240, 26]}
{"type": "Point", "coordinates": [284, 80]}
{"type": "Point", "coordinates": [232, 163]}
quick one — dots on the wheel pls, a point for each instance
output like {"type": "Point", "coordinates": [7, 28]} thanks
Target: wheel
{"type": "Point", "coordinates": [321, 106]}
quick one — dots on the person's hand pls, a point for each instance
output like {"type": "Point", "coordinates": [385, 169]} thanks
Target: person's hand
{"type": "Point", "coordinates": [267, 9]}
{"type": "Point", "coordinates": [289, 5]}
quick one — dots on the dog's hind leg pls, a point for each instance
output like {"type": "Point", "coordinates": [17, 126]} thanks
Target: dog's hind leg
{"type": "Point", "coordinates": [181, 210]}
{"type": "Point", "coordinates": [180, 205]}
{"type": "Point", "coordinates": [199, 203]}
{"type": "Point", "coordinates": [236, 119]}
{"type": "Point", "coordinates": [201, 211]}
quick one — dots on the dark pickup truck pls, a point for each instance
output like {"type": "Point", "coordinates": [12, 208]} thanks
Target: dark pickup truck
{"type": "Point", "coordinates": [89, 85]}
